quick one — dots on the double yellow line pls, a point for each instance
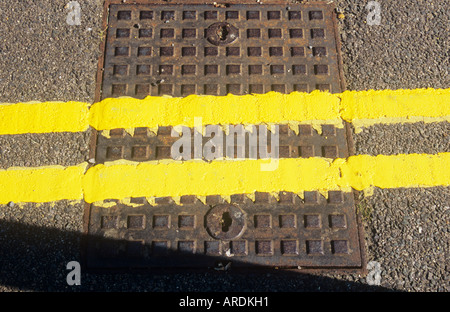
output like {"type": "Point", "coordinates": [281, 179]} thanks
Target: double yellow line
{"type": "Point", "coordinates": [122, 179]}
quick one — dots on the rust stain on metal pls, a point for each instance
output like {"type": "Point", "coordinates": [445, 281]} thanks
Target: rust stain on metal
{"type": "Point", "coordinates": [143, 145]}
{"type": "Point", "coordinates": [161, 48]}
{"type": "Point", "coordinates": [285, 232]}
{"type": "Point", "coordinates": [178, 50]}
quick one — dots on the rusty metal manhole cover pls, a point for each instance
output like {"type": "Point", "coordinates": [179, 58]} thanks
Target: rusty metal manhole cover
{"type": "Point", "coordinates": [177, 50]}
{"type": "Point", "coordinates": [284, 232]}
{"type": "Point", "coordinates": [183, 49]}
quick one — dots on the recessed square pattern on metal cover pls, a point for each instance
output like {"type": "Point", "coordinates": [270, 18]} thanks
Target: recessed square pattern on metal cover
{"type": "Point", "coordinates": [178, 50]}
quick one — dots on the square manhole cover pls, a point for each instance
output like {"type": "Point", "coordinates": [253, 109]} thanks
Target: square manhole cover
{"type": "Point", "coordinates": [177, 50]}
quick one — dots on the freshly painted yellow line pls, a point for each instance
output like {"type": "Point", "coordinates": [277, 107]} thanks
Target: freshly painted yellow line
{"type": "Point", "coordinates": [213, 110]}
{"type": "Point", "coordinates": [123, 179]}
{"type": "Point", "coordinates": [365, 108]}
{"type": "Point", "coordinates": [395, 103]}
{"type": "Point", "coordinates": [362, 108]}
{"type": "Point", "coordinates": [128, 179]}
{"type": "Point", "coordinates": [43, 184]}
{"type": "Point", "coordinates": [36, 117]}
{"type": "Point", "coordinates": [200, 178]}
{"type": "Point", "coordinates": [412, 170]}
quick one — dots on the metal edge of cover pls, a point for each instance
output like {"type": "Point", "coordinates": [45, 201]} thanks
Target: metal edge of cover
{"type": "Point", "coordinates": [98, 97]}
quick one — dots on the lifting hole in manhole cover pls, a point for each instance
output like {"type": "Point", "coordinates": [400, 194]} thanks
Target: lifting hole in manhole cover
{"type": "Point", "coordinates": [225, 222]}
{"type": "Point", "coordinates": [221, 33]}
{"type": "Point", "coordinates": [179, 50]}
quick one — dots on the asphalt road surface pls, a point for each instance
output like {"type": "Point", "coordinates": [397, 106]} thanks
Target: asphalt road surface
{"type": "Point", "coordinates": [407, 230]}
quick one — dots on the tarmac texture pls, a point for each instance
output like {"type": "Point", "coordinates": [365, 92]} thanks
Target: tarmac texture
{"type": "Point", "coordinates": [407, 230]}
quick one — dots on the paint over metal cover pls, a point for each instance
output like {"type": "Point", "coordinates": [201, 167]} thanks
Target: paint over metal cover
{"type": "Point", "coordinates": [144, 145]}
{"type": "Point", "coordinates": [178, 50]}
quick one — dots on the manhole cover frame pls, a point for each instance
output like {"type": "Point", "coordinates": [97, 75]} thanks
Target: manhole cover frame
{"type": "Point", "coordinates": [347, 127]}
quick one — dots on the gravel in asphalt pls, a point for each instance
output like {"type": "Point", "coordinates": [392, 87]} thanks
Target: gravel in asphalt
{"type": "Point", "coordinates": [407, 230]}
{"type": "Point", "coordinates": [33, 150]}
{"type": "Point", "coordinates": [44, 58]}
{"type": "Point", "coordinates": [407, 138]}
{"type": "Point", "coordinates": [408, 50]}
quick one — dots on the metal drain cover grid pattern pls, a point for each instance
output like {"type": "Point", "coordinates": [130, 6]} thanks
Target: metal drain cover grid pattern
{"type": "Point", "coordinates": [202, 49]}
{"type": "Point", "coordinates": [180, 50]}
{"type": "Point", "coordinates": [287, 232]}
{"type": "Point", "coordinates": [143, 145]}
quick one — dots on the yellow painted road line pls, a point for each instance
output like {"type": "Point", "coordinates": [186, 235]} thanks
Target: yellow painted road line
{"type": "Point", "coordinates": [362, 108]}
{"type": "Point", "coordinates": [43, 184]}
{"type": "Point", "coordinates": [365, 108]}
{"type": "Point", "coordinates": [214, 110]}
{"type": "Point", "coordinates": [122, 179]}
{"type": "Point", "coordinates": [36, 117]}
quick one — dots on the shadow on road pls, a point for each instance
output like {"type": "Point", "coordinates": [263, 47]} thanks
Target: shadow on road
{"type": "Point", "coordinates": [35, 258]}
